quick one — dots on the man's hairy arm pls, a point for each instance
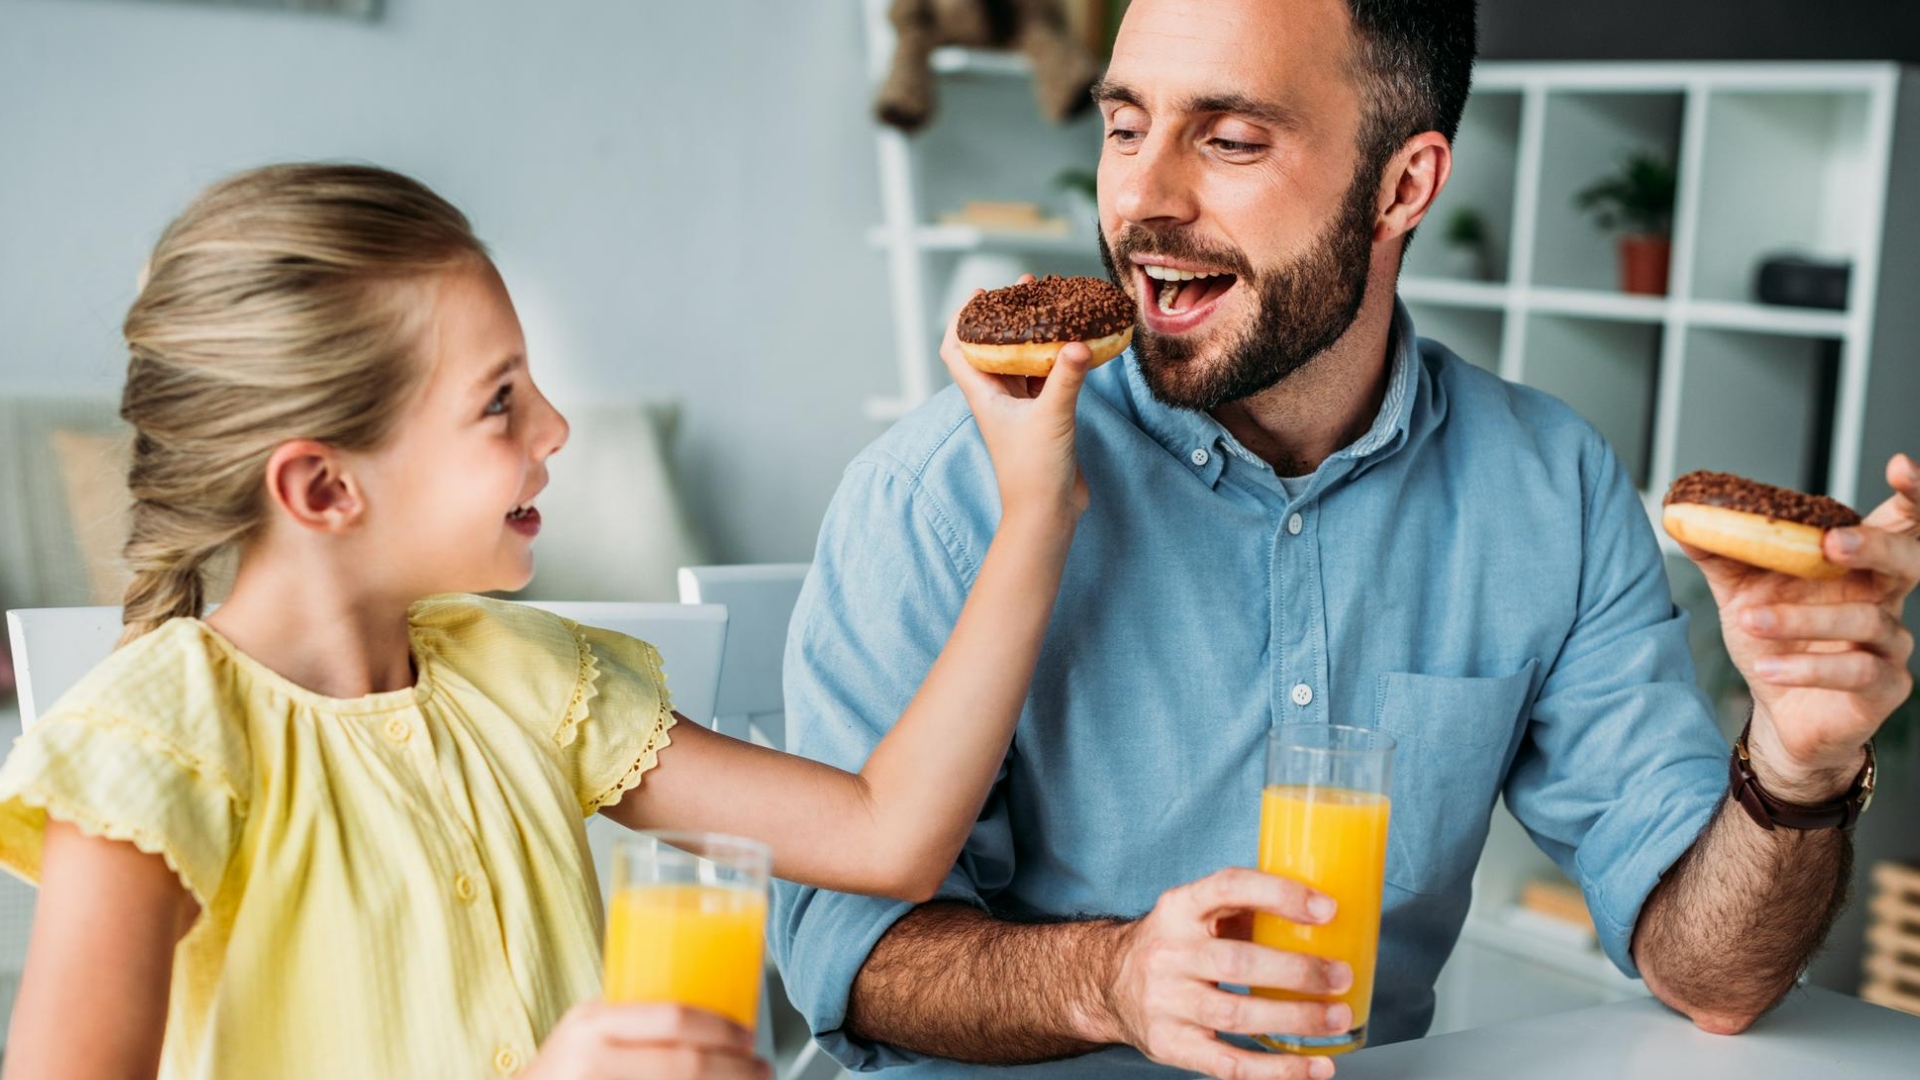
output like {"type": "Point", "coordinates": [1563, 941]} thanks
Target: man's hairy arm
{"type": "Point", "coordinates": [1730, 927]}
{"type": "Point", "coordinates": [951, 981]}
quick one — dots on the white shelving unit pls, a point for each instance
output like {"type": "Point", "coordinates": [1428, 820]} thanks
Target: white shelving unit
{"type": "Point", "coordinates": [1772, 158]}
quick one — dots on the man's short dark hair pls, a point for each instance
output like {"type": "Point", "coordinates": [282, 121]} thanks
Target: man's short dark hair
{"type": "Point", "coordinates": [1414, 61]}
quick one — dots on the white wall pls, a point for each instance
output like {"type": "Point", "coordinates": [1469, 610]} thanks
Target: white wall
{"type": "Point", "coordinates": [676, 193]}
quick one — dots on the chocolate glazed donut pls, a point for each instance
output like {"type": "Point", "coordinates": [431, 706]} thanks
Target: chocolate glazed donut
{"type": "Point", "coordinates": [1773, 528]}
{"type": "Point", "coordinates": [1019, 330]}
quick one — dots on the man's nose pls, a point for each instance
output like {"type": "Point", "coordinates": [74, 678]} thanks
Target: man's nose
{"type": "Point", "coordinates": [1156, 186]}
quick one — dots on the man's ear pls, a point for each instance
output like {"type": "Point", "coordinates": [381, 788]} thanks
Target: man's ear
{"type": "Point", "coordinates": [1414, 177]}
{"type": "Point", "coordinates": [309, 483]}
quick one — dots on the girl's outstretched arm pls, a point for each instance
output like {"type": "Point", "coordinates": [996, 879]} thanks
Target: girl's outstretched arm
{"type": "Point", "coordinates": [93, 998]}
{"type": "Point", "coordinates": [895, 827]}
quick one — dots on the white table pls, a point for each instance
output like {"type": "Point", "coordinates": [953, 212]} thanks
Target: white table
{"type": "Point", "coordinates": [1814, 1033]}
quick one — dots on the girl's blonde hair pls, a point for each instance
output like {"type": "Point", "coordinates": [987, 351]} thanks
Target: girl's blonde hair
{"type": "Point", "coordinates": [275, 307]}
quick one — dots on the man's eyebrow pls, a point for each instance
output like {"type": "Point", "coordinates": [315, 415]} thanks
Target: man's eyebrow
{"type": "Point", "coordinates": [1270, 113]}
{"type": "Point", "coordinates": [1104, 91]}
{"type": "Point", "coordinates": [501, 370]}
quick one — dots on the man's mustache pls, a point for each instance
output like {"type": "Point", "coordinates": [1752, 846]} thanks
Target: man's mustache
{"type": "Point", "coordinates": [1179, 245]}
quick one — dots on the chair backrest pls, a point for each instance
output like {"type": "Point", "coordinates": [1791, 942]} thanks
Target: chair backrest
{"type": "Point", "coordinates": [53, 648]}
{"type": "Point", "coordinates": [759, 601]}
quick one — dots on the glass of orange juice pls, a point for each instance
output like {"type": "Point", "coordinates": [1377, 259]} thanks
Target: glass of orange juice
{"type": "Point", "coordinates": [1323, 821]}
{"type": "Point", "coordinates": [686, 922]}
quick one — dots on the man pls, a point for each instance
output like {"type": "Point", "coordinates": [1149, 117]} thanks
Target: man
{"type": "Point", "coordinates": [1302, 513]}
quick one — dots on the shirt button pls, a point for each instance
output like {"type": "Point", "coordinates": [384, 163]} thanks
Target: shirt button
{"type": "Point", "coordinates": [397, 729]}
{"type": "Point", "coordinates": [1302, 694]}
{"type": "Point", "coordinates": [465, 889]}
{"type": "Point", "coordinates": [1293, 529]}
{"type": "Point", "coordinates": [1199, 456]}
{"type": "Point", "coordinates": [506, 1060]}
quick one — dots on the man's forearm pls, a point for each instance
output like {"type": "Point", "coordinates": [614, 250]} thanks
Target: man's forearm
{"type": "Point", "coordinates": [952, 981]}
{"type": "Point", "coordinates": [1731, 926]}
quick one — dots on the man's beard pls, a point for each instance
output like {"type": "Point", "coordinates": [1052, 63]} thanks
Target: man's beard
{"type": "Point", "coordinates": [1301, 308]}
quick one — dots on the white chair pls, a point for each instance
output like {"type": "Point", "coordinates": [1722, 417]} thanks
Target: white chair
{"type": "Point", "coordinates": [53, 648]}
{"type": "Point", "coordinates": [759, 601]}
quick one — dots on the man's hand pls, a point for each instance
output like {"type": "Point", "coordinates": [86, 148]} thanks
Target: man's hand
{"type": "Point", "coordinates": [1826, 660]}
{"type": "Point", "coordinates": [1165, 1000]}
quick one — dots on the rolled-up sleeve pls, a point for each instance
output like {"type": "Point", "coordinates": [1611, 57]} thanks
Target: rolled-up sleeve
{"type": "Point", "coordinates": [1622, 765]}
{"type": "Point", "coordinates": [888, 581]}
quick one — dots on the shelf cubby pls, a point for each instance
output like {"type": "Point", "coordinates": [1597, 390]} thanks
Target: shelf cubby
{"type": "Point", "coordinates": [1757, 404]}
{"type": "Point", "coordinates": [959, 162]}
{"type": "Point", "coordinates": [1587, 135]}
{"type": "Point", "coordinates": [1782, 172]}
{"type": "Point", "coordinates": [1608, 370]}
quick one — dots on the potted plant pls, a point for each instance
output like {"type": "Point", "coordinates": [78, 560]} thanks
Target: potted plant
{"type": "Point", "coordinates": [1636, 203]}
{"type": "Point", "coordinates": [1466, 251]}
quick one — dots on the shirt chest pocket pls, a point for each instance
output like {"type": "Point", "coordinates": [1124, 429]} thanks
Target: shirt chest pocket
{"type": "Point", "coordinates": [1451, 737]}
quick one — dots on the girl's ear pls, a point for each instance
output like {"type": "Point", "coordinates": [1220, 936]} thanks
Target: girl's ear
{"type": "Point", "coordinates": [308, 482]}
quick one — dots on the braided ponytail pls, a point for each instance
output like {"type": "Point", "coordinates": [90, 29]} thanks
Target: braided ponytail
{"type": "Point", "coordinates": [274, 308]}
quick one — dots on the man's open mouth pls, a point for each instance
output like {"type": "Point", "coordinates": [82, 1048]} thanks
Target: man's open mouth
{"type": "Point", "coordinates": [1180, 299]}
{"type": "Point", "coordinates": [1177, 291]}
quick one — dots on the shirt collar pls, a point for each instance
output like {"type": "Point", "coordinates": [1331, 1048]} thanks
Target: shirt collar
{"type": "Point", "coordinates": [1203, 443]}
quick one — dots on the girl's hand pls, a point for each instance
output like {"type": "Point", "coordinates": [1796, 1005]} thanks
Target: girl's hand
{"type": "Point", "coordinates": [1028, 426]}
{"type": "Point", "coordinates": [601, 1041]}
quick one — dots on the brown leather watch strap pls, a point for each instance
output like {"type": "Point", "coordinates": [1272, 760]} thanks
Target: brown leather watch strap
{"type": "Point", "coordinates": [1768, 812]}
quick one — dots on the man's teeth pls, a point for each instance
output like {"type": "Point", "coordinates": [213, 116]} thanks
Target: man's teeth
{"type": "Point", "coordinates": [1168, 273]}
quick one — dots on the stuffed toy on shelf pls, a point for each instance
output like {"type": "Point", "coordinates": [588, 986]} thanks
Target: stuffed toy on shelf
{"type": "Point", "coordinates": [1063, 69]}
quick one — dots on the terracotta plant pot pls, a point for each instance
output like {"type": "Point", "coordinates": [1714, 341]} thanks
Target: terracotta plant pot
{"type": "Point", "coordinates": [1643, 264]}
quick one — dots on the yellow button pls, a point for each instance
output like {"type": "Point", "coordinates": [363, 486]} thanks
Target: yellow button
{"type": "Point", "coordinates": [465, 889]}
{"type": "Point", "coordinates": [506, 1060]}
{"type": "Point", "coordinates": [397, 729]}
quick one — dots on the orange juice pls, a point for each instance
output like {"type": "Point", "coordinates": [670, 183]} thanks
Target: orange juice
{"type": "Point", "coordinates": [1335, 840]}
{"type": "Point", "coordinates": [694, 945]}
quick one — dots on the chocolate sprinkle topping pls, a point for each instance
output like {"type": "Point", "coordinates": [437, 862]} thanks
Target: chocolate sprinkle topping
{"type": "Point", "coordinates": [1050, 309]}
{"type": "Point", "coordinates": [1776, 503]}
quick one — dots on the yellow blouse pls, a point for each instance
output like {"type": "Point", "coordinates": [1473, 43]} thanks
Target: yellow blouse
{"type": "Point", "coordinates": [390, 886]}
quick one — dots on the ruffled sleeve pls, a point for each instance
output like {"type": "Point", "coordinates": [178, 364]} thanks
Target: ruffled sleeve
{"type": "Point", "coordinates": [597, 700]}
{"type": "Point", "coordinates": [618, 719]}
{"type": "Point", "coordinates": [120, 780]}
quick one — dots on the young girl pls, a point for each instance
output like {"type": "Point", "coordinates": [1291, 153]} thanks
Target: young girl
{"type": "Point", "coordinates": [336, 829]}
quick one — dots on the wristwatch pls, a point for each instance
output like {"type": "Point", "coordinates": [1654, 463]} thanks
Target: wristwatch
{"type": "Point", "coordinates": [1768, 812]}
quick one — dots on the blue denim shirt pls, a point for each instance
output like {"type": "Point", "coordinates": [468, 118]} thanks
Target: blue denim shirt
{"type": "Point", "coordinates": [1475, 575]}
